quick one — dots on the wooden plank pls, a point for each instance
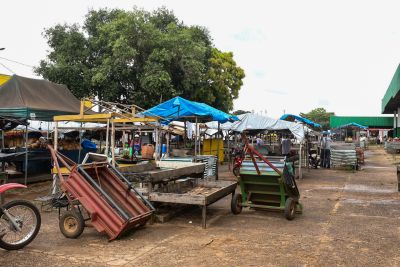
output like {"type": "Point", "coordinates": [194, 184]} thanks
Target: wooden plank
{"type": "Point", "coordinates": [223, 192]}
{"type": "Point", "coordinates": [177, 198]}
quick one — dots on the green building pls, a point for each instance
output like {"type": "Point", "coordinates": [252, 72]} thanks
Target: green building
{"type": "Point", "coordinates": [391, 101]}
{"type": "Point", "coordinates": [378, 126]}
{"type": "Point", "coordinates": [371, 122]}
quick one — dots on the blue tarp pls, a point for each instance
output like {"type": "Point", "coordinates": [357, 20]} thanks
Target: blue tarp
{"type": "Point", "coordinates": [353, 124]}
{"type": "Point", "coordinates": [178, 107]}
{"type": "Point", "coordinates": [301, 119]}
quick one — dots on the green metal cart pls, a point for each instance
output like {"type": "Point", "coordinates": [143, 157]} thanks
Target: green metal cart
{"type": "Point", "coordinates": [267, 185]}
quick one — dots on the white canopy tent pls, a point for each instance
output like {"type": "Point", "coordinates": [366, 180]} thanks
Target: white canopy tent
{"type": "Point", "coordinates": [251, 121]}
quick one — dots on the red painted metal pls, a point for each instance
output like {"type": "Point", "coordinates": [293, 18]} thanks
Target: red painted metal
{"type": "Point", "coordinates": [251, 151]}
{"type": "Point", "coordinates": [105, 212]}
{"type": "Point", "coordinates": [9, 186]}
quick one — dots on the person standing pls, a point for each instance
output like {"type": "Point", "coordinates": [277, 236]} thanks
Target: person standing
{"type": "Point", "coordinates": [326, 143]}
{"type": "Point", "coordinates": [286, 146]}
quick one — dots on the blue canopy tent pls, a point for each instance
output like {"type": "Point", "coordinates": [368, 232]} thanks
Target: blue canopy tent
{"type": "Point", "coordinates": [179, 108]}
{"type": "Point", "coordinates": [355, 125]}
{"type": "Point", "coordinates": [349, 126]}
{"type": "Point", "coordinates": [300, 119]}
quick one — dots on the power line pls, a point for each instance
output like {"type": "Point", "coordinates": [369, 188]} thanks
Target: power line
{"type": "Point", "coordinates": [23, 64]}
{"type": "Point", "coordinates": [10, 70]}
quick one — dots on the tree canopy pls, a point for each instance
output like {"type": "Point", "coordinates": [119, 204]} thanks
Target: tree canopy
{"type": "Point", "coordinates": [140, 57]}
{"type": "Point", "coordinates": [319, 115]}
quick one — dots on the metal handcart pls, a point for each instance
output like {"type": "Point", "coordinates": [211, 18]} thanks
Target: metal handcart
{"type": "Point", "coordinates": [266, 184]}
{"type": "Point", "coordinates": [111, 202]}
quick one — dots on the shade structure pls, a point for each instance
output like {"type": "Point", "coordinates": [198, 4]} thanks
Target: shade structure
{"type": "Point", "coordinates": [26, 98]}
{"type": "Point", "coordinates": [300, 119]}
{"type": "Point", "coordinates": [355, 125]}
{"type": "Point", "coordinates": [253, 122]}
{"type": "Point", "coordinates": [178, 107]}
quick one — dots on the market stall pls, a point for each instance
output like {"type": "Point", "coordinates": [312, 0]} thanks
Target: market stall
{"type": "Point", "coordinates": [23, 99]}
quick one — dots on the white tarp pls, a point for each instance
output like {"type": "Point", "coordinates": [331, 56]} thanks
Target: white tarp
{"type": "Point", "coordinates": [251, 121]}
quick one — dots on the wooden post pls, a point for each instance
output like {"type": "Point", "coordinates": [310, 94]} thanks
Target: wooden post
{"type": "Point", "coordinates": [2, 139]}
{"type": "Point", "coordinates": [398, 178]}
{"type": "Point", "coordinates": [26, 155]}
{"type": "Point", "coordinates": [204, 217]}
{"type": "Point", "coordinates": [113, 143]}
{"type": "Point", "coordinates": [157, 132]}
{"type": "Point", "coordinates": [168, 137]}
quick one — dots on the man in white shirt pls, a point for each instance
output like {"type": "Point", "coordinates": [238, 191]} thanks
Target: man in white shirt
{"type": "Point", "coordinates": [326, 142]}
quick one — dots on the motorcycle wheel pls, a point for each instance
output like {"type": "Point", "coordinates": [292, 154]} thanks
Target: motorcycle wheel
{"type": "Point", "coordinates": [27, 217]}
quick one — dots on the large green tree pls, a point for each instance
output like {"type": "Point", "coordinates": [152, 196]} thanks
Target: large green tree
{"type": "Point", "coordinates": [319, 115]}
{"type": "Point", "coordinates": [140, 57]}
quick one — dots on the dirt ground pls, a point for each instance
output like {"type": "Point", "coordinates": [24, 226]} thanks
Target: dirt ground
{"type": "Point", "coordinates": [349, 219]}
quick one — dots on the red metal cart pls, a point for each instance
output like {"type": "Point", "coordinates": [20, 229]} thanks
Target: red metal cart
{"type": "Point", "coordinates": [112, 203]}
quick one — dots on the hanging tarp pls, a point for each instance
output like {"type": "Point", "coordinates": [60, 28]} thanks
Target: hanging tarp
{"type": "Point", "coordinates": [249, 122]}
{"type": "Point", "coordinates": [300, 119]}
{"type": "Point", "coordinates": [25, 98]}
{"type": "Point", "coordinates": [179, 107]}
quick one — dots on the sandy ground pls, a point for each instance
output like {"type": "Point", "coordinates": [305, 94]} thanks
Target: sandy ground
{"type": "Point", "coordinates": [349, 219]}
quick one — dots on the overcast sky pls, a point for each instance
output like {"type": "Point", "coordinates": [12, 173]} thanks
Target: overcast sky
{"type": "Point", "coordinates": [297, 55]}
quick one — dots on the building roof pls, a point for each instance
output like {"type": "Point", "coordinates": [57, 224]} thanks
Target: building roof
{"type": "Point", "coordinates": [391, 99]}
{"type": "Point", "coordinates": [371, 122]}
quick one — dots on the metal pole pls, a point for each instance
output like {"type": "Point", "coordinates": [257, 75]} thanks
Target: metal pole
{"type": "Point", "coordinates": [218, 137]}
{"type": "Point", "coordinates": [80, 144]}
{"type": "Point", "coordinates": [195, 141]}
{"type": "Point", "coordinates": [113, 143]}
{"type": "Point", "coordinates": [26, 154]}
{"type": "Point", "coordinates": [107, 135]}
{"type": "Point", "coordinates": [55, 136]}
{"type": "Point", "coordinates": [300, 159]}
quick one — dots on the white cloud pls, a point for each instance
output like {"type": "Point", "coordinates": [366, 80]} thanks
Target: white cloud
{"type": "Point", "coordinates": [341, 53]}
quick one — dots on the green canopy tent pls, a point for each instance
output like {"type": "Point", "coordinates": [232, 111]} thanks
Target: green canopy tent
{"type": "Point", "coordinates": [24, 98]}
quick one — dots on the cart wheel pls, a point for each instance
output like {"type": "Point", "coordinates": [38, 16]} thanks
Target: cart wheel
{"type": "Point", "coordinates": [71, 224]}
{"type": "Point", "coordinates": [290, 208]}
{"type": "Point", "coordinates": [236, 204]}
{"type": "Point", "coordinates": [236, 171]}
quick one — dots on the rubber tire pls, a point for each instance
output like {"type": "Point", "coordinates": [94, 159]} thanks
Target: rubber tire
{"type": "Point", "coordinates": [290, 208]}
{"type": "Point", "coordinates": [236, 171]}
{"type": "Point", "coordinates": [236, 202]}
{"type": "Point", "coordinates": [79, 221]}
{"type": "Point", "coordinates": [35, 210]}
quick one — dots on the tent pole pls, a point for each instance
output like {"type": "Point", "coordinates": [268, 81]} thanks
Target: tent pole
{"type": "Point", "coordinates": [107, 139]}
{"type": "Point", "coordinates": [55, 136]}
{"type": "Point", "coordinates": [195, 141]}
{"type": "Point", "coordinates": [26, 154]}
{"type": "Point", "coordinates": [300, 159]}
{"type": "Point", "coordinates": [80, 144]}
{"type": "Point", "coordinates": [219, 128]}
{"type": "Point", "coordinates": [113, 143]}
{"type": "Point", "coordinates": [229, 153]}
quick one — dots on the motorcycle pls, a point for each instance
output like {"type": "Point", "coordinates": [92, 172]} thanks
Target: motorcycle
{"type": "Point", "coordinates": [238, 155]}
{"type": "Point", "coordinates": [19, 221]}
{"type": "Point", "coordinates": [313, 158]}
